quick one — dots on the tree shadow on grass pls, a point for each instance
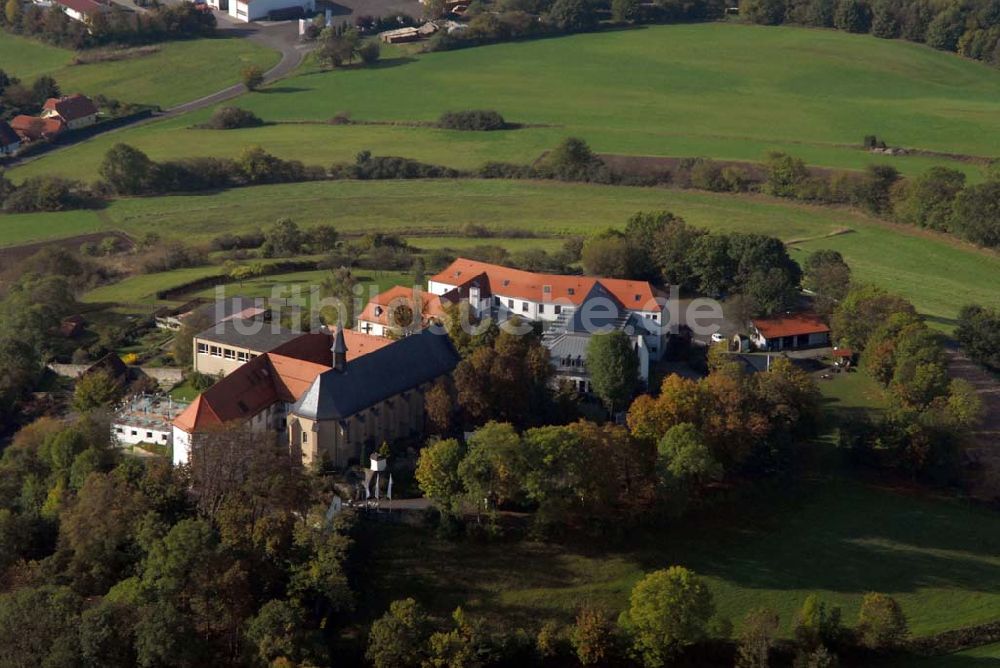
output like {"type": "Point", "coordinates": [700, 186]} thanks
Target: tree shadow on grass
{"type": "Point", "coordinates": [844, 538]}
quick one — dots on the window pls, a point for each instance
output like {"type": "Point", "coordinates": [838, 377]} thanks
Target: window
{"type": "Point", "coordinates": [305, 437]}
{"type": "Point", "coordinates": [547, 289]}
{"type": "Point", "coordinates": [541, 308]}
{"type": "Point", "coordinates": [163, 437]}
{"type": "Point", "coordinates": [242, 356]}
{"type": "Point", "coordinates": [229, 353]}
{"type": "Point", "coordinates": [558, 309]}
{"type": "Point", "coordinates": [655, 317]}
{"type": "Point", "coordinates": [216, 351]}
{"type": "Point", "coordinates": [496, 300]}
{"type": "Point", "coordinates": [524, 306]}
{"type": "Point", "coordinates": [571, 291]}
{"type": "Point", "coordinates": [202, 348]}
{"type": "Point", "coordinates": [510, 303]}
{"type": "Point", "coordinates": [135, 433]}
{"type": "Point", "coordinates": [149, 434]}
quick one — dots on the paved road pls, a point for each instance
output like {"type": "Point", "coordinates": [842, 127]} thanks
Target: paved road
{"type": "Point", "coordinates": [282, 37]}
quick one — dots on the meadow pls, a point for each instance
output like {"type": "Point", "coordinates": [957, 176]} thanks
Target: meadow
{"type": "Point", "coordinates": [178, 72]}
{"type": "Point", "coordinates": [938, 274]}
{"type": "Point", "coordinates": [682, 90]}
{"type": "Point", "coordinates": [835, 538]}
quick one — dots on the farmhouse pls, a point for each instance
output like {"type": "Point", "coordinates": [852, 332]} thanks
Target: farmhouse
{"type": "Point", "coordinates": [32, 128]}
{"type": "Point", "coordinates": [550, 299]}
{"type": "Point", "coordinates": [397, 309]}
{"type": "Point", "coordinates": [255, 10]}
{"type": "Point", "coordinates": [76, 111]}
{"type": "Point", "coordinates": [10, 142]}
{"type": "Point", "coordinates": [325, 409]}
{"type": "Point", "coordinates": [786, 332]}
{"type": "Point", "coordinates": [568, 337]}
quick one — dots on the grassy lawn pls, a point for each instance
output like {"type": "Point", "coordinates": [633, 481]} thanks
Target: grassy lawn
{"type": "Point", "coordinates": [682, 90]}
{"type": "Point", "coordinates": [178, 72]}
{"type": "Point", "coordinates": [936, 275]}
{"type": "Point", "coordinates": [837, 539]}
{"type": "Point", "coordinates": [979, 657]}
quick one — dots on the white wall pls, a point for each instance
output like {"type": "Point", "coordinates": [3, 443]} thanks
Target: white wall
{"type": "Point", "coordinates": [125, 434]}
{"type": "Point", "coordinates": [182, 446]}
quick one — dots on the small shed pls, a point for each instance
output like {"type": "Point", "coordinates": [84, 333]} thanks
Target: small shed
{"type": "Point", "coordinates": [789, 331]}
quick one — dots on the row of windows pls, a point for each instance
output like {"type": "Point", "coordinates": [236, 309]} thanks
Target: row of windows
{"type": "Point", "coordinates": [149, 434]}
{"type": "Point", "coordinates": [226, 353]}
{"type": "Point", "coordinates": [557, 308]}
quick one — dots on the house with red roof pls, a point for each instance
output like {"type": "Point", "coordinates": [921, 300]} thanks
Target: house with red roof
{"type": "Point", "coordinates": [33, 128]}
{"type": "Point", "coordinates": [570, 308]}
{"type": "Point", "coordinates": [76, 111]}
{"type": "Point", "coordinates": [400, 309]}
{"type": "Point", "coordinates": [789, 331]}
{"type": "Point", "coordinates": [328, 396]}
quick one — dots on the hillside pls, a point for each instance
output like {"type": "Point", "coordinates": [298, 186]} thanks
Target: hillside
{"type": "Point", "coordinates": [718, 90]}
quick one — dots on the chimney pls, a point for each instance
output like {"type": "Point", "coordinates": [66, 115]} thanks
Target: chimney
{"type": "Point", "coordinates": [339, 350]}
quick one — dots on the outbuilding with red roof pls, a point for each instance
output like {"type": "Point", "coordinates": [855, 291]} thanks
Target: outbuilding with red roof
{"type": "Point", "coordinates": [76, 111]}
{"type": "Point", "coordinates": [789, 331]}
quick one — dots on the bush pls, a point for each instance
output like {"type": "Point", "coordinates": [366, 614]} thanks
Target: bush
{"type": "Point", "coordinates": [368, 167]}
{"type": "Point", "coordinates": [46, 193]}
{"type": "Point", "coordinates": [881, 623]}
{"type": "Point", "coordinates": [476, 120]}
{"type": "Point", "coordinates": [369, 52]}
{"type": "Point", "coordinates": [232, 118]}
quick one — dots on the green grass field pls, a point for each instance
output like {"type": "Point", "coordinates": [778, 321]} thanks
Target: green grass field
{"type": "Point", "coordinates": [979, 657]}
{"type": "Point", "coordinates": [837, 539]}
{"type": "Point", "coordinates": [719, 90]}
{"type": "Point", "coordinates": [937, 275]}
{"type": "Point", "coordinates": [179, 72]}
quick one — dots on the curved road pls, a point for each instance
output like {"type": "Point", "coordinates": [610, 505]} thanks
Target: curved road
{"type": "Point", "coordinates": [282, 37]}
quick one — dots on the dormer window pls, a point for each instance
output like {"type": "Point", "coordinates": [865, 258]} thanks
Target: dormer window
{"type": "Point", "coordinates": [571, 291]}
{"type": "Point", "coordinates": [547, 289]}
{"type": "Point", "coordinates": [378, 310]}
{"type": "Point", "coordinates": [506, 282]}
{"type": "Point", "coordinates": [638, 298]}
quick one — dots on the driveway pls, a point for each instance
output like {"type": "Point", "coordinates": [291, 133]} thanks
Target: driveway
{"type": "Point", "coordinates": [281, 36]}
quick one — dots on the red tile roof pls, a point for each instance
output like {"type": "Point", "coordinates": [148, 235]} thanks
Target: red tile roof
{"type": "Point", "coordinates": [494, 279]}
{"type": "Point", "coordinates": [378, 309]}
{"type": "Point", "coordinates": [33, 128]}
{"type": "Point", "coordinates": [792, 324]}
{"type": "Point", "coordinates": [72, 107]}
{"type": "Point", "coordinates": [284, 374]}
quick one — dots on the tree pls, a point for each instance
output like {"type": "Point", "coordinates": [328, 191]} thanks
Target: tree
{"type": "Point", "coordinates": [613, 366]}
{"type": "Point", "coordinates": [97, 389]}
{"type": "Point", "coordinates": [944, 31]}
{"type": "Point", "coordinates": [977, 214]}
{"type": "Point", "coordinates": [606, 255]}
{"type": "Point", "coordinates": [573, 15]}
{"type": "Point", "coordinates": [38, 626]}
{"type": "Point", "coordinates": [193, 324]}
{"type": "Point", "coordinates": [852, 16]}
{"type": "Point", "coordinates": [760, 627]}
{"type": "Point", "coordinates": [625, 10]}
{"type": "Point", "coordinates": [439, 405]}
{"type": "Point", "coordinates": [881, 623]}
{"type": "Point", "coordinates": [928, 199]}
{"type": "Point", "coordinates": [397, 638]}
{"type": "Point", "coordinates": [127, 170]}
{"type": "Point", "coordinates": [828, 277]}
{"type": "Point", "coordinates": [283, 239]}
{"type": "Point", "coordinates": [252, 77]}
{"type": "Point", "coordinates": [323, 238]}
{"type": "Point", "coordinates": [815, 626]}
{"type": "Point", "coordinates": [339, 286]}
{"type": "Point", "coordinates": [369, 52]}
{"type": "Point", "coordinates": [668, 610]}
{"type": "Point", "coordinates": [785, 173]}
{"type": "Point", "coordinates": [685, 457]}
{"type": "Point", "coordinates": [494, 466]}
{"type": "Point", "coordinates": [765, 12]}
{"type": "Point", "coordinates": [864, 309]}
{"type": "Point", "coordinates": [13, 11]}
{"type": "Point", "coordinates": [437, 473]}
{"type": "Point", "coordinates": [337, 49]}
{"type": "Point", "coordinates": [279, 631]}
{"type": "Point", "coordinates": [978, 333]}
{"type": "Point", "coordinates": [593, 636]}
{"type": "Point", "coordinates": [43, 88]}
{"type": "Point", "coordinates": [22, 368]}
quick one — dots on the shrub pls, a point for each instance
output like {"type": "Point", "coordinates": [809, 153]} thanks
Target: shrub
{"type": "Point", "coordinates": [476, 120]}
{"type": "Point", "coordinates": [46, 193]}
{"type": "Point", "coordinates": [368, 167]}
{"type": "Point", "coordinates": [369, 52]}
{"type": "Point", "coordinates": [881, 623]}
{"type": "Point", "coordinates": [231, 118]}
